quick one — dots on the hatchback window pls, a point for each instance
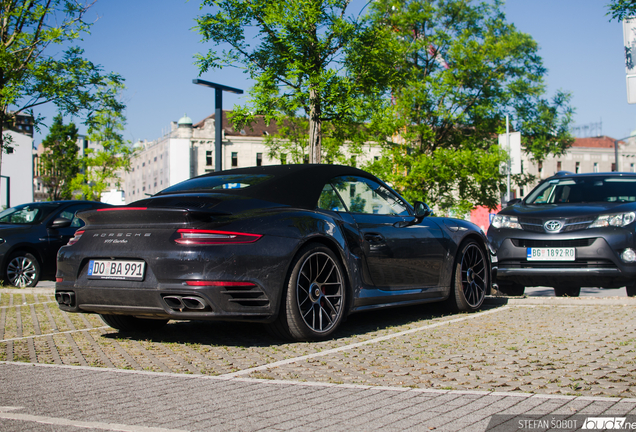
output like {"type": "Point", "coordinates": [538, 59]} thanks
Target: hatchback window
{"type": "Point", "coordinates": [27, 214]}
{"type": "Point", "coordinates": [584, 190]}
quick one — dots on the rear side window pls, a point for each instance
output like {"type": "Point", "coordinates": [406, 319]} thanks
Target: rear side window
{"type": "Point", "coordinates": [27, 214]}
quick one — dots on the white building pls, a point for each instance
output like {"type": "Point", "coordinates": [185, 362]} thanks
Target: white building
{"type": "Point", "coordinates": [17, 167]}
{"type": "Point", "coordinates": [587, 155]}
{"type": "Point", "coordinates": [188, 151]}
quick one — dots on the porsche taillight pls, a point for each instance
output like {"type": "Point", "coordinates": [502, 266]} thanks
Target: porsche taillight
{"type": "Point", "coordinates": [75, 238]}
{"type": "Point", "coordinates": [212, 237]}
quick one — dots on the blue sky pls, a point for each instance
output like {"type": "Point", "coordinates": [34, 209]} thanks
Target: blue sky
{"type": "Point", "coordinates": [151, 43]}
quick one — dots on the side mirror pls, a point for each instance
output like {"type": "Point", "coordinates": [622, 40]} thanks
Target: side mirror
{"type": "Point", "coordinates": [61, 223]}
{"type": "Point", "coordinates": [421, 210]}
{"type": "Point", "coordinates": [513, 201]}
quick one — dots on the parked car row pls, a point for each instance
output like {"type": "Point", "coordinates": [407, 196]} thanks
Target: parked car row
{"type": "Point", "coordinates": [300, 247]}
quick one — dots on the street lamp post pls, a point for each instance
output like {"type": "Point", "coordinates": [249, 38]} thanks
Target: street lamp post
{"type": "Point", "coordinates": [616, 149]}
{"type": "Point", "coordinates": [218, 126]}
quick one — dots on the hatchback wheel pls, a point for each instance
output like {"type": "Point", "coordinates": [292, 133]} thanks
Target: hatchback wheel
{"type": "Point", "coordinates": [23, 270]}
{"type": "Point", "coordinates": [631, 290]}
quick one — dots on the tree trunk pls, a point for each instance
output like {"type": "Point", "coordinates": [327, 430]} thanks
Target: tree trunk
{"type": "Point", "coordinates": [315, 128]}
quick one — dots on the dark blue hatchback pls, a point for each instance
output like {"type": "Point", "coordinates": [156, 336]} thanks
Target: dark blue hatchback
{"type": "Point", "coordinates": [30, 236]}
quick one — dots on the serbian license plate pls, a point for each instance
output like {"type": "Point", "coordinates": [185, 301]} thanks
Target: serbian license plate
{"type": "Point", "coordinates": [551, 254]}
{"type": "Point", "coordinates": [116, 269]}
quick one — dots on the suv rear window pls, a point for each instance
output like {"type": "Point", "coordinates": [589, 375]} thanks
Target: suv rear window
{"type": "Point", "coordinates": [584, 190]}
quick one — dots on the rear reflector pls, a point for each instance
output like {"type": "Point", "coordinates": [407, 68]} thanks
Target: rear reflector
{"type": "Point", "coordinates": [210, 237]}
{"type": "Point", "coordinates": [220, 283]}
{"type": "Point", "coordinates": [75, 238]}
{"type": "Point", "coordinates": [59, 279]}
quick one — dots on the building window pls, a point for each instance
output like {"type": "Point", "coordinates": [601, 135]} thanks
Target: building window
{"type": "Point", "coordinates": [143, 164]}
{"type": "Point", "coordinates": [541, 169]}
{"type": "Point", "coordinates": [613, 167]}
{"type": "Point", "coordinates": [559, 166]}
{"type": "Point", "coordinates": [631, 168]}
{"type": "Point", "coordinates": [577, 167]}
{"type": "Point", "coordinates": [522, 169]}
{"type": "Point", "coordinates": [208, 158]}
{"type": "Point", "coordinates": [595, 167]}
{"type": "Point", "coordinates": [234, 159]}
{"type": "Point", "coordinates": [377, 158]}
{"type": "Point", "coordinates": [155, 159]}
{"type": "Point", "coordinates": [259, 159]}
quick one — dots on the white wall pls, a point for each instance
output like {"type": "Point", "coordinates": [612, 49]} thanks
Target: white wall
{"type": "Point", "coordinates": [18, 166]}
{"type": "Point", "coordinates": [179, 162]}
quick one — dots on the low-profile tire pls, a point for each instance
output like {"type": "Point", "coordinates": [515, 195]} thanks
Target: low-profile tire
{"type": "Point", "coordinates": [631, 290]}
{"type": "Point", "coordinates": [512, 289]}
{"type": "Point", "coordinates": [313, 304]}
{"type": "Point", "coordinates": [565, 291]}
{"type": "Point", "coordinates": [131, 323]}
{"type": "Point", "coordinates": [22, 270]}
{"type": "Point", "coordinates": [470, 278]}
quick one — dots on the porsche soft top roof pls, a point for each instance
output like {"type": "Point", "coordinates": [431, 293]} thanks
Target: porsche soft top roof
{"type": "Point", "coordinates": [293, 185]}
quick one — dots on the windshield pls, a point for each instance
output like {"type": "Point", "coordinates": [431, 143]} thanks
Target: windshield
{"type": "Point", "coordinates": [584, 190]}
{"type": "Point", "coordinates": [217, 183]}
{"type": "Point", "coordinates": [27, 214]}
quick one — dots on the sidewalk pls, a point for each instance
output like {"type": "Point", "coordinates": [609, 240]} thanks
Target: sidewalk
{"type": "Point", "coordinates": [407, 368]}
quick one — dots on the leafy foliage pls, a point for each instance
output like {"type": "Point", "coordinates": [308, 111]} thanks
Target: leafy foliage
{"type": "Point", "coordinates": [460, 69]}
{"type": "Point", "coordinates": [621, 9]}
{"type": "Point", "coordinates": [59, 162]}
{"type": "Point", "coordinates": [31, 74]}
{"type": "Point", "coordinates": [296, 51]}
{"type": "Point", "coordinates": [101, 167]}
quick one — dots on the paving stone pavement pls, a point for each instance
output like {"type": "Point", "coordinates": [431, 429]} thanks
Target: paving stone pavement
{"type": "Point", "coordinates": [409, 368]}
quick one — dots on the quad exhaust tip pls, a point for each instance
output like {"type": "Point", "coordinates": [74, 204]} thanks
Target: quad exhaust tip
{"type": "Point", "coordinates": [66, 298]}
{"type": "Point", "coordinates": [185, 303]}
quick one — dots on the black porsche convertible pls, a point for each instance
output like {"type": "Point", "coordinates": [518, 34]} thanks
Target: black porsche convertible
{"type": "Point", "coordinates": [297, 247]}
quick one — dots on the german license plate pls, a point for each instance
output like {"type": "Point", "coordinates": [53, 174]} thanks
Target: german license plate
{"type": "Point", "coordinates": [116, 269]}
{"type": "Point", "coordinates": [551, 254]}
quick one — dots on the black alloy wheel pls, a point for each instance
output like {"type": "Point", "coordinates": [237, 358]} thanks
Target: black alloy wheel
{"type": "Point", "coordinates": [23, 270]}
{"type": "Point", "coordinates": [470, 278]}
{"type": "Point", "coordinates": [314, 302]}
{"type": "Point", "coordinates": [131, 323]}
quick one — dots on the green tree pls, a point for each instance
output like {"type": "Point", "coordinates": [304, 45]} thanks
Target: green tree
{"type": "Point", "coordinates": [59, 162]}
{"type": "Point", "coordinates": [460, 69]}
{"type": "Point", "coordinates": [295, 51]}
{"type": "Point", "coordinates": [101, 167]}
{"type": "Point", "coordinates": [621, 9]}
{"type": "Point", "coordinates": [32, 72]}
